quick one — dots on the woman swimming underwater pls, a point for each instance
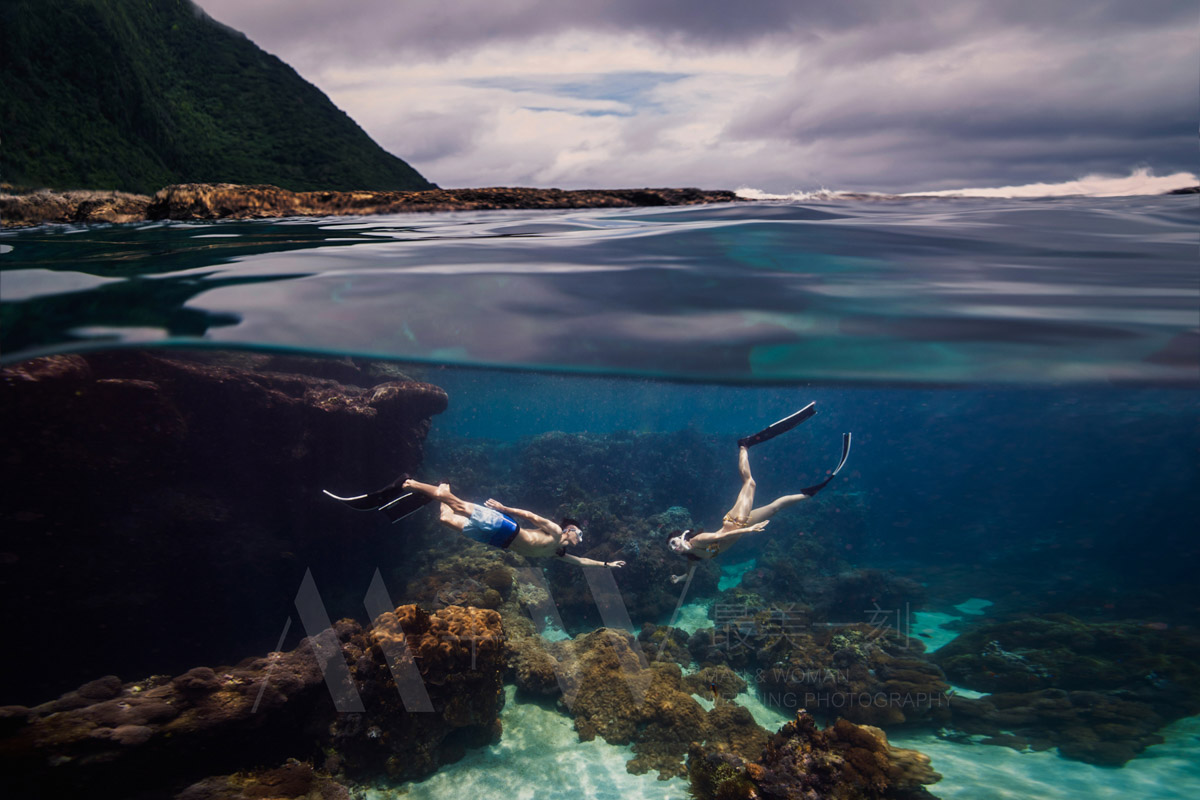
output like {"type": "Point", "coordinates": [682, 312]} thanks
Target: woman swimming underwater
{"type": "Point", "coordinates": [744, 518]}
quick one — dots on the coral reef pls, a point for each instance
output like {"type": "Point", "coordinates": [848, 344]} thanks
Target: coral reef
{"type": "Point", "coordinates": [1098, 692]}
{"type": "Point", "coordinates": [866, 674]}
{"type": "Point", "coordinates": [855, 672]}
{"type": "Point", "coordinates": [715, 682]}
{"type": "Point", "coordinates": [107, 736]}
{"type": "Point", "coordinates": [1060, 651]}
{"type": "Point", "coordinates": [460, 656]}
{"type": "Point", "coordinates": [842, 762]}
{"type": "Point", "coordinates": [613, 691]}
{"type": "Point", "coordinates": [665, 644]}
{"type": "Point", "coordinates": [616, 695]}
{"type": "Point", "coordinates": [295, 780]}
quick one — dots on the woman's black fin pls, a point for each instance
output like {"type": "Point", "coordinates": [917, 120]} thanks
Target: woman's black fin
{"type": "Point", "coordinates": [782, 426]}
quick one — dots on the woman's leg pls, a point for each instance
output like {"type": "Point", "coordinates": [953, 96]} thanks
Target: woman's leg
{"type": "Point", "coordinates": [740, 513]}
{"type": "Point", "coordinates": [775, 506]}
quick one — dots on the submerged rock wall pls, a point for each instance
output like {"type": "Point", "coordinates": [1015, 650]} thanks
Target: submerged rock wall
{"type": "Point", "coordinates": [146, 492]}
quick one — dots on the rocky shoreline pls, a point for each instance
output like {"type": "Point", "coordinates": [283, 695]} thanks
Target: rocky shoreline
{"type": "Point", "coordinates": [212, 201]}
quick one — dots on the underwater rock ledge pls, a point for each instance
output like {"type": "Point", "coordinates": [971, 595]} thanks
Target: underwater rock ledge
{"type": "Point", "coordinates": [153, 737]}
{"type": "Point", "coordinates": [211, 201]}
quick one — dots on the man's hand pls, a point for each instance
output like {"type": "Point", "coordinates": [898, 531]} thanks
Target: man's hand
{"type": "Point", "coordinates": [494, 504]}
{"type": "Point", "coordinates": [677, 578]}
{"type": "Point", "coordinates": [614, 564]}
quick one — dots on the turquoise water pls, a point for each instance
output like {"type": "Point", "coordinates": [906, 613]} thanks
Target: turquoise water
{"type": "Point", "coordinates": [1019, 375]}
{"type": "Point", "coordinates": [900, 292]}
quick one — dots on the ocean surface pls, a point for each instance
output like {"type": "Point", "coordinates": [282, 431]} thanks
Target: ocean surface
{"type": "Point", "coordinates": [1020, 377]}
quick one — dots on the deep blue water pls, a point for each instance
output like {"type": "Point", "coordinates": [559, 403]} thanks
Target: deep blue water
{"type": "Point", "coordinates": [1020, 376]}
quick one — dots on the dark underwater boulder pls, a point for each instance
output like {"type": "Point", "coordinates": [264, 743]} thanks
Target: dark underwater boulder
{"type": "Point", "coordinates": [150, 492]}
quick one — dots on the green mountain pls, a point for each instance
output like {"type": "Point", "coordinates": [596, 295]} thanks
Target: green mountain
{"type": "Point", "coordinates": [138, 94]}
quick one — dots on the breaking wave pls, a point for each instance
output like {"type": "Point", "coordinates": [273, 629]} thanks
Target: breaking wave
{"type": "Point", "coordinates": [1139, 182]}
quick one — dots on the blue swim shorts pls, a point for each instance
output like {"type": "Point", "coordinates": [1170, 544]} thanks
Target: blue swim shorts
{"type": "Point", "coordinates": [489, 526]}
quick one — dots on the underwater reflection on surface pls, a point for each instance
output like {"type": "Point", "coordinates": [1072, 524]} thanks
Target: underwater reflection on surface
{"type": "Point", "coordinates": [911, 292]}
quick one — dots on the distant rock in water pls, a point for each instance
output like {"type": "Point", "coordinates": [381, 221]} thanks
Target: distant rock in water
{"type": "Point", "coordinates": [233, 201]}
{"type": "Point", "coordinates": [135, 94]}
{"type": "Point", "coordinates": [1186, 190]}
{"type": "Point", "coordinates": [35, 208]}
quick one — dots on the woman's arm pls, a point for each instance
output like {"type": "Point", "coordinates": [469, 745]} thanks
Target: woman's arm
{"type": "Point", "coordinates": [541, 522]}
{"type": "Point", "coordinates": [588, 562]}
{"type": "Point", "coordinates": [716, 536]}
{"type": "Point", "coordinates": [690, 571]}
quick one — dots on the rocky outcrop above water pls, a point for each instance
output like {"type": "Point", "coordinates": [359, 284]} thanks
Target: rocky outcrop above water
{"type": "Point", "coordinates": [144, 488]}
{"type": "Point", "coordinates": [212, 201]}
{"type": "Point", "coordinates": [35, 208]}
{"type": "Point", "coordinates": [160, 734]}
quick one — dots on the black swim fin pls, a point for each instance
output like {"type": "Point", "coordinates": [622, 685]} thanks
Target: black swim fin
{"type": "Point", "coordinates": [811, 490]}
{"type": "Point", "coordinates": [374, 500]}
{"type": "Point", "coordinates": [404, 505]}
{"type": "Point", "coordinates": [782, 426]}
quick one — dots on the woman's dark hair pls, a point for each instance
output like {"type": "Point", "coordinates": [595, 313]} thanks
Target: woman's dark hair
{"type": "Point", "coordinates": [568, 522]}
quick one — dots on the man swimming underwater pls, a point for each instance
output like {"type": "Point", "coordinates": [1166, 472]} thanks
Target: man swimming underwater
{"type": "Point", "coordinates": [491, 523]}
{"type": "Point", "coordinates": [744, 518]}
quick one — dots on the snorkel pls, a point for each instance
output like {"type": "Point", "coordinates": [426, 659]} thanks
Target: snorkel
{"type": "Point", "coordinates": [679, 543]}
{"type": "Point", "coordinates": [568, 525]}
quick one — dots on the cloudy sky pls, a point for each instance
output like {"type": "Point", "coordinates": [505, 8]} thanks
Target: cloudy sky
{"type": "Point", "coordinates": [781, 95]}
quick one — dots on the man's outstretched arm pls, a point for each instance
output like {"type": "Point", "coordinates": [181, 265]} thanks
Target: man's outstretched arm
{"type": "Point", "coordinates": [588, 562]}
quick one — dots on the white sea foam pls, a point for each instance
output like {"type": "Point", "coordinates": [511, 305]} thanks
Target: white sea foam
{"type": "Point", "coordinates": [1141, 181]}
{"type": "Point", "coordinates": [750, 193]}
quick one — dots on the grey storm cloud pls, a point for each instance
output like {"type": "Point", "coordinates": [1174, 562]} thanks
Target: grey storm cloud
{"type": "Point", "coordinates": [890, 95]}
{"type": "Point", "coordinates": [375, 28]}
